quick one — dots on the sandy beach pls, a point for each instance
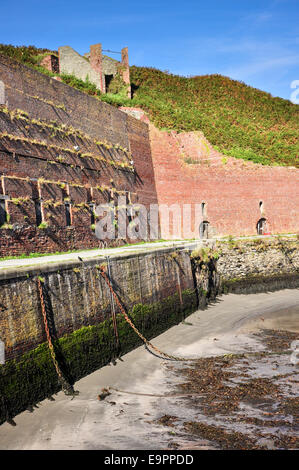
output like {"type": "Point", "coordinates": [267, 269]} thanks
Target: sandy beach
{"type": "Point", "coordinates": [243, 346]}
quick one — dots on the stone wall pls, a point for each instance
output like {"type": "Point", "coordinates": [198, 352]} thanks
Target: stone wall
{"type": "Point", "coordinates": [158, 289]}
{"type": "Point", "coordinates": [258, 265]}
{"type": "Point", "coordinates": [109, 65]}
{"type": "Point", "coordinates": [72, 63]}
{"type": "Point", "coordinates": [79, 296]}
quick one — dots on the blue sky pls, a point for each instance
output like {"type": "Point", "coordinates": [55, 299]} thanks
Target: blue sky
{"type": "Point", "coordinates": [256, 41]}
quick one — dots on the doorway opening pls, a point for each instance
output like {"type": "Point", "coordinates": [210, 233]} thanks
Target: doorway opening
{"type": "Point", "coordinates": [261, 226]}
{"type": "Point", "coordinates": [204, 229]}
{"type": "Point", "coordinates": [108, 79]}
{"type": "Point", "coordinates": [68, 215]}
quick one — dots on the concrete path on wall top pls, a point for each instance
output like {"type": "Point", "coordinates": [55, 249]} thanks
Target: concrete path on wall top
{"type": "Point", "coordinates": [85, 255]}
{"type": "Point", "coordinates": [92, 253]}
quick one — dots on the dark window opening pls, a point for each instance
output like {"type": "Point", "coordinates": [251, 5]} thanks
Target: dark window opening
{"type": "Point", "coordinates": [261, 206]}
{"type": "Point", "coordinates": [92, 214]}
{"type": "Point", "coordinates": [204, 229]}
{"type": "Point", "coordinates": [3, 214]}
{"type": "Point", "coordinates": [68, 214]}
{"type": "Point", "coordinates": [203, 209]}
{"type": "Point", "coordinates": [129, 207]}
{"type": "Point", "coordinates": [261, 226]}
{"type": "Point", "coordinates": [38, 212]}
{"type": "Point", "coordinates": [108, 79]}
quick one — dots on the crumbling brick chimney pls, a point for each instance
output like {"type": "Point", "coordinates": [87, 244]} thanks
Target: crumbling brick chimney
{"type": "Point", "coordinates": [95, 61]}
{"type": "Point", "coordinates": [126, 69]}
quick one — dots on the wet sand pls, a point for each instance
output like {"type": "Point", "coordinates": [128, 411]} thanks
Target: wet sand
{"type": "Point", "coordinates": [233, 326]}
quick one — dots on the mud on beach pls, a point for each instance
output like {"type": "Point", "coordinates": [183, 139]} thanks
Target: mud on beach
{"type": "Point", "coordinates": [242, 401]}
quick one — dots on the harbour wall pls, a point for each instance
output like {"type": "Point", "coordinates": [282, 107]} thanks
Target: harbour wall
{"type": "Point", "coordinates": [157, 288]}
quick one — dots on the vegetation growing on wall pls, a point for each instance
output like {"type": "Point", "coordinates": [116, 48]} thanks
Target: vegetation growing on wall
{"type": "Point", "coordinates": [33, 377]}
{"type": "Point", "coordinates": [240, 121]}
{"type": "Point", "coordinates": [118, 86]}
{"type": "Point", "coordinates": [25, 54]}
{"type": "Point", "coordinates": [85, 86]}
{"type": "Point", "coordinates": [205, 255]}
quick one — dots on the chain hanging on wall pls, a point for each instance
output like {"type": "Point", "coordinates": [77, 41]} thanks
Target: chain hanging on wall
{"type": "Point", "coordinates": [66, 386]}
{"type": "Point", "coordinates": [147, 343]}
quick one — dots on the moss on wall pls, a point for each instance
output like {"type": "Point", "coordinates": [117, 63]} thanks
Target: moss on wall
{"type": "Point", "coordinates": [152, 300]}
{"type": "Point", "coordinates": [33, 377]}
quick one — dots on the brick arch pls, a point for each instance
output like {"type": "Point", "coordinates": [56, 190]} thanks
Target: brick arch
{"type": "Point", "coordinates": [204, 229]}
{"type": "Point", "coordinates": [262, 225]}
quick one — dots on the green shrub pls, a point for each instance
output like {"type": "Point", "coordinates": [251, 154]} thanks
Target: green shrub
{"type": "Point", "coordinates": [81, 85]}
{"type": "Point", "coordinates": [117, 86]}
{"type": "Point", "coordinates": [43, 225]}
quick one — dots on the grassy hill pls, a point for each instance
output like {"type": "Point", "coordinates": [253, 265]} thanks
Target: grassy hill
{"type": "Point", "coordinates": [238, 120]}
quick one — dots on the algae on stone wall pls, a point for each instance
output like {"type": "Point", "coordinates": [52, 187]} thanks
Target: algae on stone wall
{"type": "Point", "coordinates": [32, 378]}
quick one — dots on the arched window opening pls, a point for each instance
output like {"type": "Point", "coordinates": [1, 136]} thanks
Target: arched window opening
{"type": "Point", "coordinates": [204, 229]}
{"type": "Point", "coordinates": [261, 226]}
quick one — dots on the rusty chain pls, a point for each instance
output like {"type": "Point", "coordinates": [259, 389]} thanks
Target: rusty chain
{"type": "Point", "coordinates": [146, 342]}
{"type": "Point", "coordinates": [66, 386]}
{"type": "Point", "coordinates": [114, 321]}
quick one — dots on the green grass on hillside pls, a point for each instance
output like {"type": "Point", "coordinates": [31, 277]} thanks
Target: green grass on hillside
{"type": "Point", "coordinates": [29, 55]}
{"type": "Point", "coordinates": [240, 121]}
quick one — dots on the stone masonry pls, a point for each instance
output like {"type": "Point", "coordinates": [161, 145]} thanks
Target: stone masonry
{"type": "Point", "coordinates": [94, 66]}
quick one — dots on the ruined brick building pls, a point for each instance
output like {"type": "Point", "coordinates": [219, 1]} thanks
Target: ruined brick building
{"type": "Point", "coordinates": [94, 66]}
{"type": "Point", "coordinates": [62, 152]}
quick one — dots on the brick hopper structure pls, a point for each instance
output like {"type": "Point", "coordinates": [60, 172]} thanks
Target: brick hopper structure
{"type": "Point", "coordinates": [63, 152]}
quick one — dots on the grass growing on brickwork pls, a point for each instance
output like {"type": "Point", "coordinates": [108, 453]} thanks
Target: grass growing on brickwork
{"type": "Point", "coordinates": [85, 86]}
{"type": "Point", "coordinates": [33, 377]}
{"type": "Point", "coordinates": [240, 121]}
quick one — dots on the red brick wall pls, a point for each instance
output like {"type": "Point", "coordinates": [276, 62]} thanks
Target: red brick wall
{"type": "Point", "coordinates": [58, 145]}
{"type": "Point", "coordinates": [51, 63]}
{"type": "Point", "coordinates": [189, 171]}
{"type": "Point", "coordinates": [39, 159]}
{"type": "Point", "coordinates": [95, 61]}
